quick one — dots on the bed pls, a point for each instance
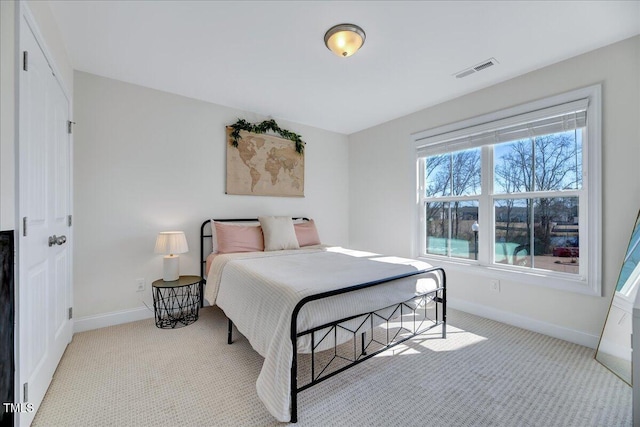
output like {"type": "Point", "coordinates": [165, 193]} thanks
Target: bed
{"type": "Point", "coordinates": [317, 307]}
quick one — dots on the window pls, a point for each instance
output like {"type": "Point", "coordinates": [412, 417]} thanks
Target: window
{"type": "Point", "coordinates": [517, 193]}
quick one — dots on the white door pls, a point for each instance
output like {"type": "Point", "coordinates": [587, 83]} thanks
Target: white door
{"type": "Point", "coordinates": [44, 287]}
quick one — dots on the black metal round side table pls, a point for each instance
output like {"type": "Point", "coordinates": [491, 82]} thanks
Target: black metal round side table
{"type": "Point", "coordinates": [176, 303]}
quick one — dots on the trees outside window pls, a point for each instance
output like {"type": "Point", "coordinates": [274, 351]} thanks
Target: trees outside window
{"type": "Point", "coordinates": [517, 192]}
{"type": "Point", "coordinates": [530, 231]}
{"type": "Point", "coordinates": [455, 179]}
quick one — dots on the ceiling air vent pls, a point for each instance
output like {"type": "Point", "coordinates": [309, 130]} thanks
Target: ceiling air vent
{"type": "Point", "coordinates": [481, 66]}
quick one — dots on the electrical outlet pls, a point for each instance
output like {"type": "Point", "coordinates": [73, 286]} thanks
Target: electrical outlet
{"type": "Point", "coordinates": [140, 285]}
{"type": "Point", "coordinates": [494, 285]}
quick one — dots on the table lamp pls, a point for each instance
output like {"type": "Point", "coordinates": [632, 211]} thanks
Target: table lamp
{"type": "Point", "coordinates": [171, 243]}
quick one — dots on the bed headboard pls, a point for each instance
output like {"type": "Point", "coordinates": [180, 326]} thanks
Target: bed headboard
{"type": "Point", "coordinates": [206, 235]}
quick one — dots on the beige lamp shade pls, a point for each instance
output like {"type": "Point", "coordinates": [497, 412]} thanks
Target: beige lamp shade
{"type": "Point", "coordinates": [344, 39]}
{"type": "Point", "coordinates": [171, 243]}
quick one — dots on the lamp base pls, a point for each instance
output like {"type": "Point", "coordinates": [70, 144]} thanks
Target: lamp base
{"type": "Point", "coordinates": [170, 268]}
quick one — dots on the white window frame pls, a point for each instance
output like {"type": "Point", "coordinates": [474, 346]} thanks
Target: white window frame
{"type": "Point", "coordinates": [434, 141]}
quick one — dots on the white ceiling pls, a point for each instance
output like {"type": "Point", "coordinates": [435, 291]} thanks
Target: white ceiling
{"type": "Point", "coordinates": [268, 57]}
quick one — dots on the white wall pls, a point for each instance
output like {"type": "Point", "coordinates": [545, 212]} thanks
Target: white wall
{"type": "Point", "coordinates": [147, 161]}
{"type": "Point", "coordinates": [382, 183]}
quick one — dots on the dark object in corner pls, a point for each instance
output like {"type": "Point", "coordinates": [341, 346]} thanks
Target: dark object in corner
{"type": "Point", "coordinates": [7, 365]}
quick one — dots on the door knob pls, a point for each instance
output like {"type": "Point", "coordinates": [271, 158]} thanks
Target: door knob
{"type": "Point", "coordinates": [57, 240]}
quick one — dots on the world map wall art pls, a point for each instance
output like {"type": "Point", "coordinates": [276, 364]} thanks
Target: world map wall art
{"type": "Point", "coordinates": [263, 165]}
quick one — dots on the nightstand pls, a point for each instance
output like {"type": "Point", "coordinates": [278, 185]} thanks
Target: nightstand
{"type": "Point", "coordinates": [176, 303]}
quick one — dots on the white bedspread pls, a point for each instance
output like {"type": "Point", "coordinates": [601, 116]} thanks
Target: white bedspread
{"type": "Point", "coordinates": [259, 290]}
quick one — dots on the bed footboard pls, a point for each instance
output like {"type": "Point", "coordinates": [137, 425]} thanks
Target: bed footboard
{"type": "Point", "coordinates": [372, 332]}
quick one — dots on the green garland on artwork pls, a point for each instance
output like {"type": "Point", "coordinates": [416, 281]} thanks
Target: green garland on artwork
{"type": "Point", "coordinates": [267, 125]}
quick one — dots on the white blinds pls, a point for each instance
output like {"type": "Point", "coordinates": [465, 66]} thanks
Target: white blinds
{"type": "Point", "coordinates": [559, 118]}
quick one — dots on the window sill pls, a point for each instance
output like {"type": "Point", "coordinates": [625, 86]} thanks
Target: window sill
{"type": "Point", "coordinates": [556, 281]}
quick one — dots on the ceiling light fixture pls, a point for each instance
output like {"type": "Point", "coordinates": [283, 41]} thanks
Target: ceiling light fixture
{"type": "Point", "coordinates": [344, 39]}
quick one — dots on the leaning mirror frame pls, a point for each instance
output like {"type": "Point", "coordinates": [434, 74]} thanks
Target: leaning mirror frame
{"type": "Point", "coordinates": [614, 347]}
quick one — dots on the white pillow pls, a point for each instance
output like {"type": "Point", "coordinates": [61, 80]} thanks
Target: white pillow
{"type": "Point", "coordinates": [279, 233]}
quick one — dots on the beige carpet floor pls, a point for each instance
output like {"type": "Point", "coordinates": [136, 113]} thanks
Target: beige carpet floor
{"type": "Point", "coordinates": [484, 374]}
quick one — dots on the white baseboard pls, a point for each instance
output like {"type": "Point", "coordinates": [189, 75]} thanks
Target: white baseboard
{"type": "Point", "coordinates": [524, 322]}
{"type": "Point", "coordinates": [88, 323]}
{"type": "Point", "coordinates": [97, 321]}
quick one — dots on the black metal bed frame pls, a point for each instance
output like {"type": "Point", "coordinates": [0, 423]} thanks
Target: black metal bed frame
{"type": "Point", "coordinates": [408, 308]}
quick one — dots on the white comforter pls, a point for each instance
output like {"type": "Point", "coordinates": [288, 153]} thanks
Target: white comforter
{"type": "Point", "coordinates": [259, 290]}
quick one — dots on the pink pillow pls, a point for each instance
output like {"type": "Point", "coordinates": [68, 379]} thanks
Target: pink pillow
{"type": "Point", "coordinates": [307, 233]}
{"type": "Point", "coordinates": [239, 238]}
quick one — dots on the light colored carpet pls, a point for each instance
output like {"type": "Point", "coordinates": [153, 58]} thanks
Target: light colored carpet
{"type": "Point", "coordinates": [484, 373]}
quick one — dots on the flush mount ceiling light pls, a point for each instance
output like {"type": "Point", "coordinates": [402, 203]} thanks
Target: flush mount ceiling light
{"type": "Point", "coordinates": [344, 39]}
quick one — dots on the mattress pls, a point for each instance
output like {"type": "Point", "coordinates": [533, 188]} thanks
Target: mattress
{"type": "Point", "coordinates": [259, 290]}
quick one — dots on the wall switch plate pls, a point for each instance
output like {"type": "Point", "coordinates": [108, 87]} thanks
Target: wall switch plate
{"type": "Point", "coordinates": [494, 285]}
{"type": "Point", "coordinates": [140, 285]}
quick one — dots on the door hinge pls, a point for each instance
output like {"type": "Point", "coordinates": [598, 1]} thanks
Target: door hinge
{"type": "Point", "coordinates": [70, 126]}
{"type": "Point", "coordinates": [24, 226]}
{"type": "Point", "coordinates": [25, 60]}
{"type": "Point", "coordinates": [25, 392]}
{"type": "Point", "coordinates": [69, 220]}
{"type": "Point", "coordinates": [70, 313]}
